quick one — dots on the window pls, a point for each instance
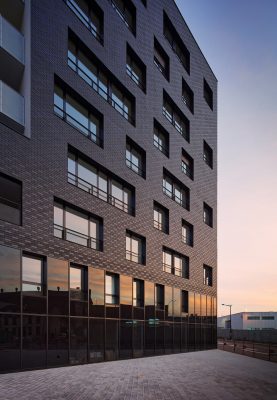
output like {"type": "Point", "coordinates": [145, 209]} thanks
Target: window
{"type": "Point", "coordinates": [187, 96]}
{"type": "Point", "coordinates": [100, 183]}
{"type": "Point", "coordinates": [88, 122]}
{"type": "Point", "coordinates": [175, 116]}
{"type": "Point", "coordinates": [32, 275]}
{"type": "Point", "coordinates": [135, 157]}
{"type": "Point", "coordinates": [78, 282]}
{"type": "Point", "coordinates": [161, 138]}
{"type": "Point", "coordinates": [268, 318]}
{"type": "Point", "coordinates": [77, 226]}
{"type": "Point", "coordinates": [185, 301]}
{"type": "Point", "coordinates": [208, 94]}
{"type": "Point", "coordinates": [99, 78]}
{"type": "Point", "coordinates": [187, 164]}
{"type": "Point", "coordinates": [176, 190]}
{"type": "Point", "coordinates": [127, 12]}
{"type": "Point", "coordinates": [144, 2]}
{"type": "Point", "coordinates": [187, 233]}
{"type": "Point", "coordinates": [208, 275]}
{"type": "Point", "coordinates": [135, 68]}
{"type": "Point", "coordinates": [176, 43]}
{"type": "Point", "coordinates": [159, 297]}
{"type": "Point", "coordinates": [111, 288]}
{"type": "Point", "coordinates": [90, 14]}
{"type": "Point", "coordinates": [253, 318]}
{"type": "Point", "coordinates": [207, 154]}
{"type": "Point", "coordinates": [161, 217]}
{"type": "Point", "coordinates": [138, 293]}
{"type": "Point", "coordinates": [161, 59]}
{"type": "Point", "coordinates": [175, 263]}
{"type": "Point", "coordinates": [10, 200]}
{"type": "Point", "coordinates": [135, 247]}
{"type": "Point", "coordinates": [208, 215]}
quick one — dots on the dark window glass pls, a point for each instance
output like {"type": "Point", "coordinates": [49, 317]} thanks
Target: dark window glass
{"type": "Point", "coordinates": [111, 347]}
{"type": "Point", "coordinates": [191, 337]}
{"type": "Point", "coordinates": [126, 296]}
{"type": "Point", "coordinates": [135, 68]}
{"type": "Point", "coordinates": [9, 279]}
{"type": "Point", "coordinates": [208, 94]}
{"type": "Point", "coordinates": [135, 157]}
{"type": "Point", "coordinates": [184, 344]}
{"type": "Point", "coordinates": [187, 96]}
{"type": "Point", "coordinates": [161, 59]}
{"type": "Point", "coordinates": [207, 154]}
{"type": "Point", "coordinates": [127, 12]}
{"type": "Point", "coordinates": [96, 292]}
{"type": "Point", "coordinates": [159, 297]}
{"type": "Point", "coordinates": [111, 288]}
{"type": "Point", "coordinates": [10, 199]}
{"type": "Point", "coordinates": [187, 164]}
{"type": "Point", "coordinates": [57, 272]}
{"type": "Point", "coordinates": [268, 318]}
{"type": "Point", "coordinates": [175, 263]}
{"type": "Point", "coordinates": [33, 285]}
{"type": "Point", "coordinates": [198, 337]}
{"type": "Point", "coordinates": [161, 217]}
{"type": "Point", "coordinates": [138, 338]}
{"type": "Point", "coordinates": [34, 342]}
{"type": "Point", "coordinates": [96, 339]}
{"type": "Point", "coordinates": [57, 341]}
{"type": "Point", "coordinates": [9, 342]}
{"type": "Point", "coordinates": [177, 337]}
{"type": "Point", "coordinates": [161, 138]}
{"type": "Point", "coordinates": [168, 302]}
{"type": "Point", "coordinates": [208, 215]}
{"type": "Point", "coordinates": [176, 190]}
{"type": "Point", "coordinates": [208, 275]}
{"type": "Point", "coordinates": [159, 348]}
{"type": "Point", "coordinates": [135, 248]}
{"type": "Point", "coordinates": [187, 233]}
{"type": "Point", "coordinates": [78, 340]}
{"type": "Point", "coordinates": [126, 339]}
{"type": "Point", "coordinates": [175, 116]}
{"type": "Point", "coordinates": [149, 344]}
{"type": "Point", "coordinates": [185, 302]}
{"type": "Point", "coordinates": [168, 337]}
{"type": "Point", "coordinates": [78, 290]}
{"type": "Point", "coordinates": [138, 293]}
{"type": "Point", "coordinates": [191, 307]}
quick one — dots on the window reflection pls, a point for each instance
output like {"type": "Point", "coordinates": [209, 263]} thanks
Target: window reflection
{"type": "Point", "coordinates": [111, 289]}
{"type": "Point", "coordinates": [10, 260]}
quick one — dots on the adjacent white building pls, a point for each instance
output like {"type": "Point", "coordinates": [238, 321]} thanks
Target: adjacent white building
{"type": "Point", "coordinates": [249, 320]}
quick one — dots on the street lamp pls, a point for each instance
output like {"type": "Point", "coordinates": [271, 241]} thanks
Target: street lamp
{"type": "Point", "coordinates": [230, 307]}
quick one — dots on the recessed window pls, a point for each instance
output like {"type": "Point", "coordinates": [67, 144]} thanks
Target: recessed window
{"type": "Point", "coordinates": [185, 302]}
{"type": "Point", "coordinates": [208, 94]}
{"type": "Point", "coordinates": [77, 226]}
{"type": "Point", "coordinates": [111, 288]}
{"type": "Point", "coordinates": [161, 217]}
{"type": "Point", "coordinates": [135, 157]}
{"type": "Point", "coordinates": [208, 215]}
{"type": "Point", "coordinates": [127, 12]}
{"type": "Point", "coordinates": [159, 297]}
{"type": "Point", "coordinates": [176, 43]}
{"type": "Point", "coordinates": [187, 96]}
{"type": "Point", "coordinates": [90, 14]}
{"type": "Point", "coordinates": [135, 248]}
{"type": "Point", "coordinates": [208, 275]}
{"type": "Point", "coordinates": [253, 318]}
{"type": "Point", "coordinates": [175, 263]}
{"type": "Point", "coordinates": [135, 68]}
{"type": "Point", "coordinates": [144, 2]}
{"type": "Point", "coordinates": [187, 164]}
{"type": "Point", "coordinates": [175, 116]}
{"type": "Point", "coordinates": [208, 154]}
{"type": "Point", "coordinates": [32, 275]}
{"type": "Point", "coordinates": [176, 190]}
{"type": "Point", "coordinates": [138, 293]}
{"type": "Point", "coordinates": [161, 59]}
{"type": "Point", "coordinates": [268, 317]}
{"type": "Point", "coordinates": [187, 233]}
{"type": "Point", "coordinates": [10, 199]}
{"type": "Point", "coordinates": [161, 138]}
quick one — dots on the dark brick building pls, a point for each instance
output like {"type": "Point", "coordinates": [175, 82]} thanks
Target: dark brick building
{"type": "Point", "coordinates": [108, 183]}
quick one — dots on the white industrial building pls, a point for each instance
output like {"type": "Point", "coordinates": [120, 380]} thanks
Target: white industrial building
{"type": "Point", "coordinates": [249, 321]}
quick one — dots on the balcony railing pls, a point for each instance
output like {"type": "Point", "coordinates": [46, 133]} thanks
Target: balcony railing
{"type": "Point", "coordinates": [135, 257]}
{"type": "Point", "coordinates": [187, 170]}
{"type": "Point", "coordinates": [77, 237]}
{"type": "Point", "coordinates": [174, 270]}
{"type": "Point", "coordinates": [134, 167]}
{"type": "Point", "coordinates": [11, 40]}
{"type": "Point", "coordinates": [135, 77]}
{"type": "Point", "coordinates": [11, 103]}
{"type": "Point", "coordinates": [182, 201]}
{"type": "Point", "coordinates": [159, 146]}
{"type": "Point", "coordinates": [160, 67]}
{"type": "Point", "coordinates": [123, 17]}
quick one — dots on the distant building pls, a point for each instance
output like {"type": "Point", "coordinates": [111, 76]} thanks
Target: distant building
{"type": "Point", "coordinates": [249, 320]}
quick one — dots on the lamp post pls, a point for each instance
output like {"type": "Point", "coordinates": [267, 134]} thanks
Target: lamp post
{"type": "Point", "coordinates": [230, 307]}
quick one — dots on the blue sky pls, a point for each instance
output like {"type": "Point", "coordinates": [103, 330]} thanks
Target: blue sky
{"type": "Point", "coordinates": [239, 40]}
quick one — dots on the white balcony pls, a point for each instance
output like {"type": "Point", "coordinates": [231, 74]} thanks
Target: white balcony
{"type": "Point", "coordinates": [11, 104]}
{"type": "Point", "coordinates": [11, 40]}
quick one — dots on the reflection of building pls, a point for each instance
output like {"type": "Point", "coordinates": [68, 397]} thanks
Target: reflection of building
{"type": "Point", "coordinates": [108, 189]}
{"type": "Point", "coordinates": [249, 320]}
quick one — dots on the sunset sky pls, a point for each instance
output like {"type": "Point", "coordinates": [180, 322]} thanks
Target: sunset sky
{"type": "Point", "coordinates": [239, 39]}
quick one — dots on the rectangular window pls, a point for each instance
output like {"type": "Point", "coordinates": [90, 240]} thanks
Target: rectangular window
{"type": "Point", "coordinates": [175, 116]}
{"type": "Point", "coordinates": [253, 318]}
{"type": "Point", "coordinates": [135, 157]}
{"type": "Point", "coordinates": [99, 78]}
{"type": "Point", "coordinates": [77, 226]}
{"type": "Point", "coordinates": [138, 293]}
{"type": "Point", "coordinates": [187, 96]}
{"type": "Point", "coordinates": [135, 247]}
{"type": "Point", "coordinates": [161, 217]}
{"type": "Point", "coordinates": [111, 288]}
{"type": "Point", "coordinates": [89, 122]}
{"type": "Point", "coordinates": [187, 164]}
{"type": "Point", "coordinates": [208, 94]}
{"type": "Point", "coordinates": [207, 154]}
{"type": "Point", "coordinates": [127, 12]}
{"type": "Point", "coordinates": [268, 318]}
{"type": "Point", "coordinates": [176, 190]}
{"type": "Point", "coordinates": [208, 215]}
{"type": "Point", "coordinates": [78, 283]}
{"type": "Point", "coordinates": [32, 275]}
{"type": "Point", "coordinates": [175, 263]}
{"type": "Point", "coordinates": [161, 59]}
{"type": "Point", "coordinates": [159, 297]}
{"type": "Point", "coordinates": [135, 68]}
{"type": "Point", "coordinates": [97, 181]}
{"type": "Point", "coordinates": [185, 302]}
{"type": "Point", "coordinates": [90, 14]}
{"type": "Point", "coordinates": [187, 233]}
{"type": "Point", "coordinates": [176, 43]}
{"type": "Point", "coordinates": [161, 138]}
{"type": "Point", "coordinates": [10, 200]}
{"type": "Point", "coordinates": [208, 275]}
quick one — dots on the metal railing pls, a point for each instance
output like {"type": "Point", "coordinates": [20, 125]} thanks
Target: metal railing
{"type": "Point", "coordinates": [187, 239]}
{"type": "Point", "coordinates": [122, 16]}
{"type": "Point", "coordinates": [162, 148]}
{"type": "Point", "coordinates": [176, 124]}
{"type": "Point", "coordinates": [11, 103]}
{"type": "Point", "coordinates": [186, 170]}
{"type": "Point", "coordinates": [184, 202]}
{"type": "Point", "coordinates": [173, 270]}
{"type": "Point", "coordinates": [264, 351]}
{"type": "Point", "coordinates": [77, 237]}
{"type": "Point", "coordinates": [134, 167]}
{"type": "Point", "coordinates": [160, 67]}
{"type": "Point", "coordinates": [135, 257]}
{"type": "Point", "coordinates": [134, 77]}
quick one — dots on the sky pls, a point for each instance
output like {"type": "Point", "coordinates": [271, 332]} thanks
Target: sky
{"type": "Point", "coordinates": [239, 40]}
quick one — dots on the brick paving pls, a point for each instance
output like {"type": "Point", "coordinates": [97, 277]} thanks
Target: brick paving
{"type": "Point", "coordinates": [212, 374]}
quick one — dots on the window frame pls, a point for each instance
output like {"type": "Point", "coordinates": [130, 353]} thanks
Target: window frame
{"type": "Point", "coordinates": [162, 225]}
{"type": "Point", "coordinates": [10, 201]}
{"type": "Point", "coordinates": [171, 268]}
{"type": "Point", "coordinates": [141, 257]}
{"type": "Point", "coordinates": [207, 275]}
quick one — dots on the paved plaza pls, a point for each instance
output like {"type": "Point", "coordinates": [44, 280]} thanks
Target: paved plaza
{"type": "Point", "coordinates": [212, 374]}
